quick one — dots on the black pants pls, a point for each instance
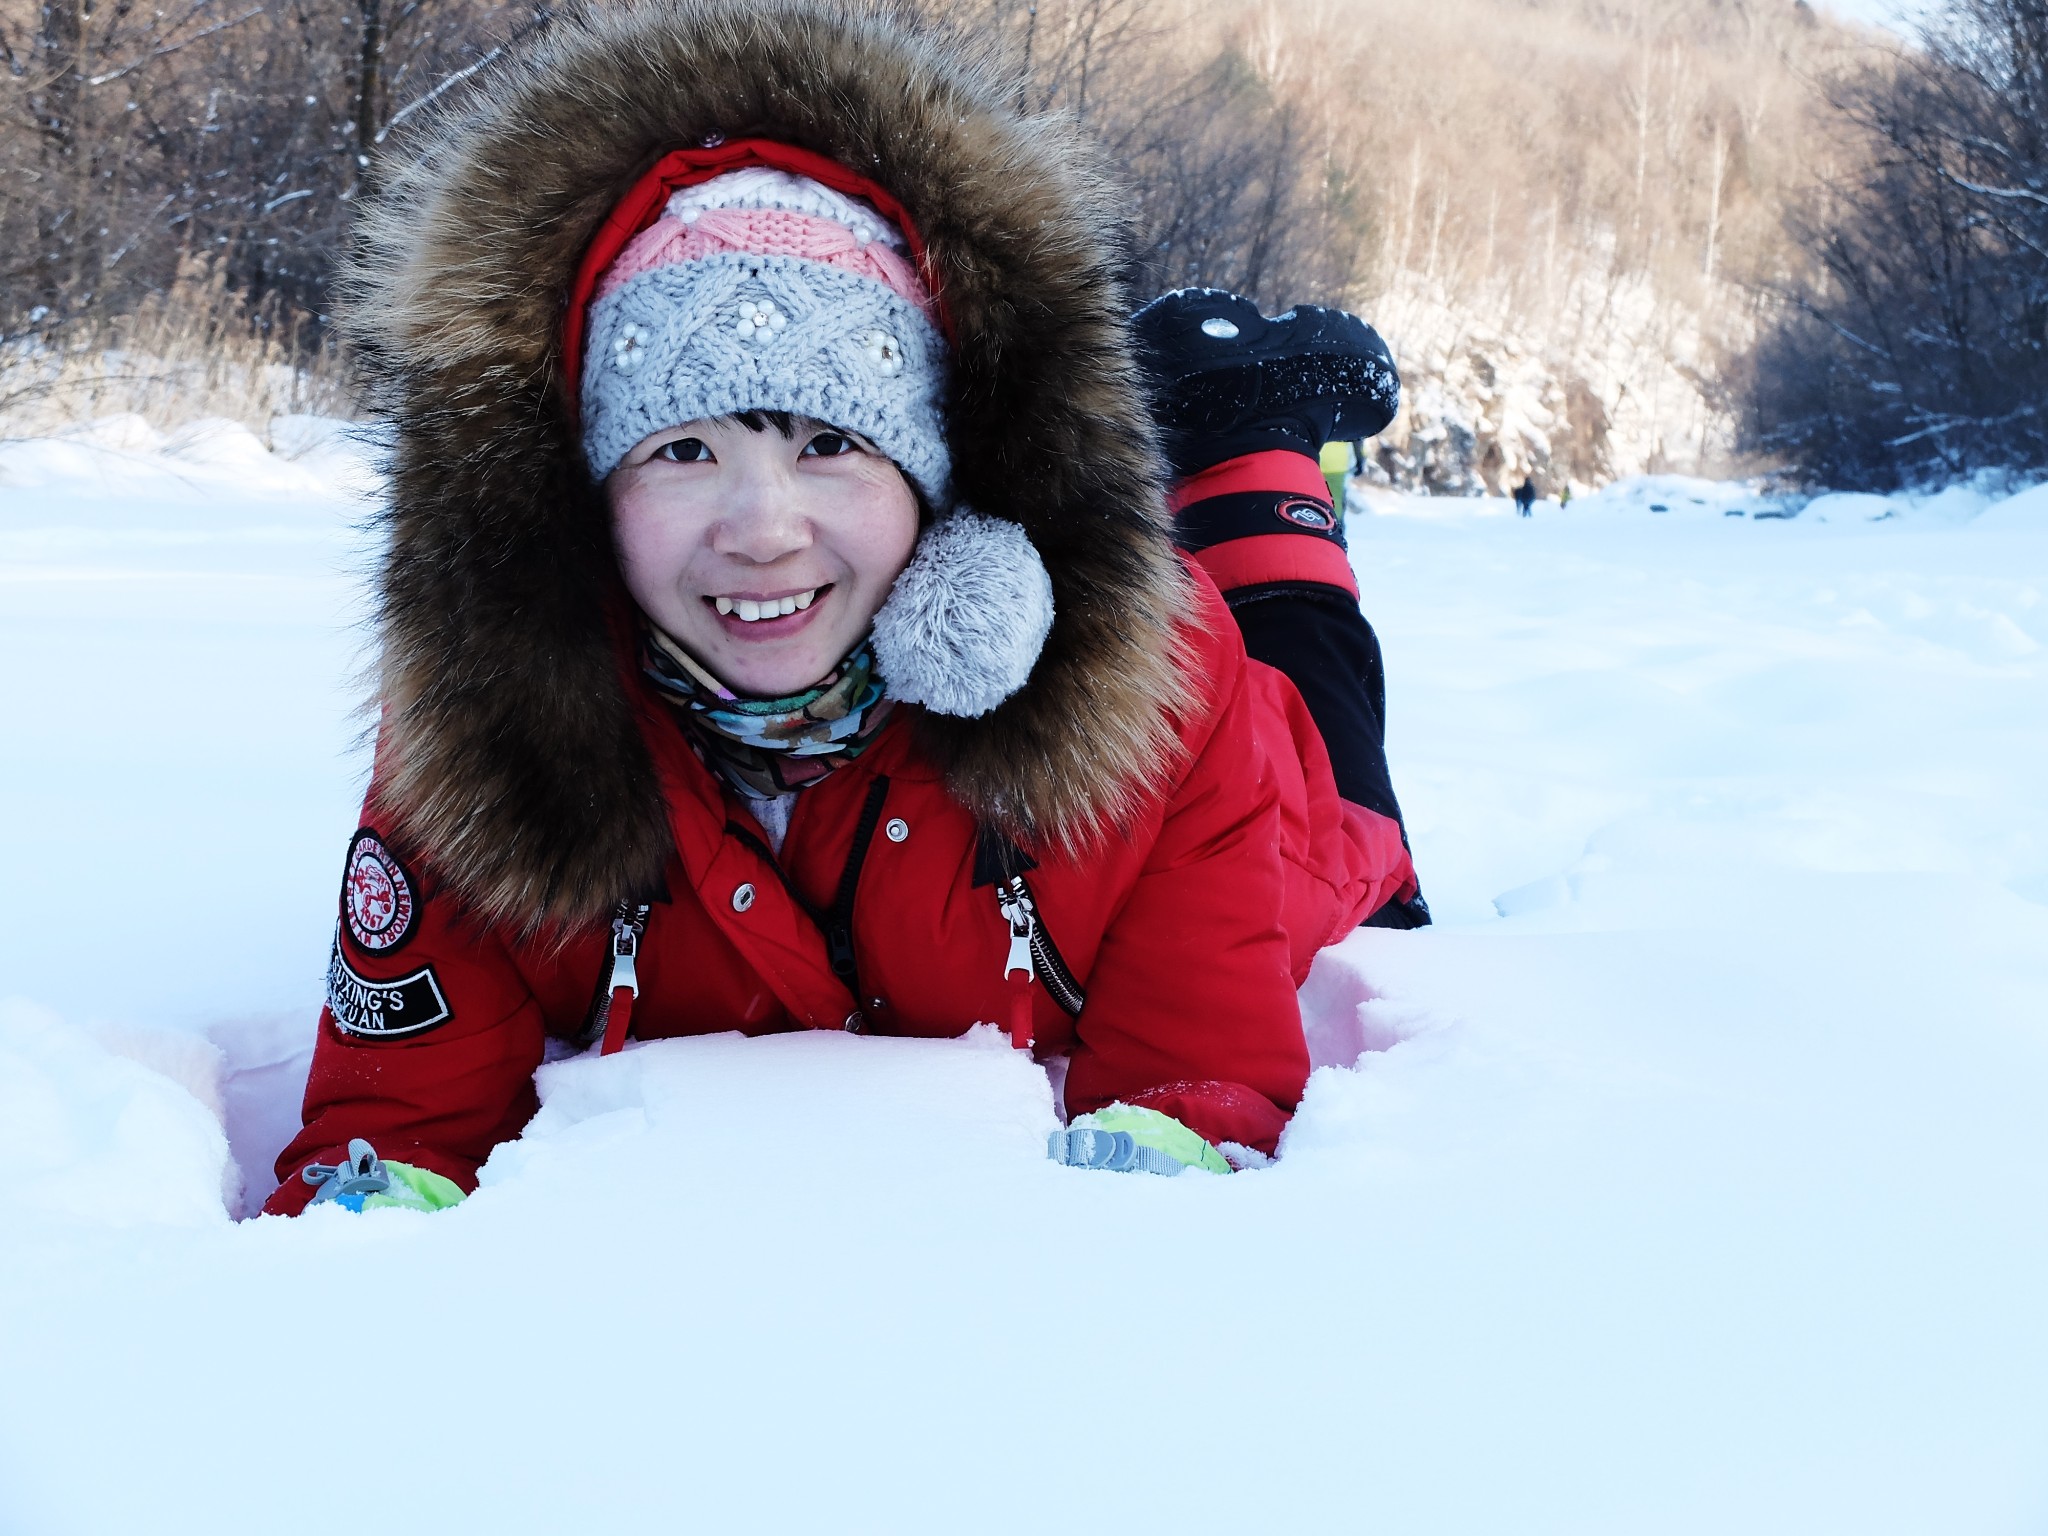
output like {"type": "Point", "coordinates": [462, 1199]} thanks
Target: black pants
{"type": "Point", "coordinates": [1316, 637]}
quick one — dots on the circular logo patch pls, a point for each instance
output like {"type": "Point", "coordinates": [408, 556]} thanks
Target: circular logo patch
{"type": "Point", "coordinates": [1303, 513]}
{"type": "Point", "coordinates": [377, 901]}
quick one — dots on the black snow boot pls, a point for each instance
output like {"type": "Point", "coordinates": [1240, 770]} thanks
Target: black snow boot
{"type": "Point", "coordinates": [1226, 381]}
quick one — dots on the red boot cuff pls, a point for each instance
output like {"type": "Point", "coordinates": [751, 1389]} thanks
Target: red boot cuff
{"type": "Point", "coordinates": [1277, 469]}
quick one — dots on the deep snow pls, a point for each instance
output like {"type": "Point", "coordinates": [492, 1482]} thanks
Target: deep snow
{"type": "Point", "coordinates": [1692, 1175]}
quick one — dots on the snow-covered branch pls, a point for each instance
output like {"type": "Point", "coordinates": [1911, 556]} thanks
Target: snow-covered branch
{"type": "Point", "coordinates": [165, 50]}
{"type": "Point", "coordinates": [540, 18]}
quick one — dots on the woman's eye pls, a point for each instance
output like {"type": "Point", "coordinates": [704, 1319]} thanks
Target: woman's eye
{"type": "Point", "coordinates": [684, 450]}
{"type": "Point", "coordinates": [830, 445]}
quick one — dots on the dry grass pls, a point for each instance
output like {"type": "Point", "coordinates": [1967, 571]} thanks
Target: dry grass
{"type": "Point", "coordinates": [192, 352]}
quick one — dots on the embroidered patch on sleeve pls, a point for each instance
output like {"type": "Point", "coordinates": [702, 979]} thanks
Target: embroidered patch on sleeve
{"type": "Point", "coordinates": [384, 1010]}
{"type": "Point", "coordinates": [377, 901]}
{"type": "Point", "coordinates": [1303, 513]}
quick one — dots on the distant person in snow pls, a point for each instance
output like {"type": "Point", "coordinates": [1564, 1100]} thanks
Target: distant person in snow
{"type": "Point", "coordinates": [1525, 495]}
{"type": "Point", "coordinates": [1340, 460]}
{"type": "Point", "coordinates": [782, 623]}
{"type": "Point", "coordinates": [1337, 464]}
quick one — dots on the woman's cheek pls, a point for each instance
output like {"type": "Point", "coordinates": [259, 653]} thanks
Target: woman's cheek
{"type": "Point", "coordinates": [653, 548]}
{"type": "Point", "coordinates": [886, 531]}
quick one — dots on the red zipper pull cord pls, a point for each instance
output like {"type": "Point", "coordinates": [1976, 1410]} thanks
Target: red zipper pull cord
{"type": "Point", "coordinates": [1020, 1013]}
{"type": "Point", "coordinates": [625, 985]}
{"type": "Point", "coordinates": [617, 1020]}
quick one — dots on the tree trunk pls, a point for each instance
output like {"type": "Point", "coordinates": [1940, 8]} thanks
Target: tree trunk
{"type": "Point", "coordinates": [61, 216]}
{"type": "Point", "coordinates": [368, 87]}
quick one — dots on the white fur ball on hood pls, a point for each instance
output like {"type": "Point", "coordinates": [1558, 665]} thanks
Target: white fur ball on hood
{"type": "Point", "coordinates": [965, 622]}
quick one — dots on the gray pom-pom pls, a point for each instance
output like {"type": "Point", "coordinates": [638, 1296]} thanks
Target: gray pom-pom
{"type": "Point", "coordinates": [966, 620]}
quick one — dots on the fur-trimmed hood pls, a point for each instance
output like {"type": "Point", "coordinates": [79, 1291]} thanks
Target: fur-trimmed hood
{"type": "Point", "coordinates": [510, 754]}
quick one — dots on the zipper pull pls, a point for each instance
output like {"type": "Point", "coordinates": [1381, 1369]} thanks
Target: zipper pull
{"type": "Point", "coordinates": [623, 986]}
{"type": "Point", "coordinates": [1023, 921]}
{"type": "Point", "coordinates": [625, 945]}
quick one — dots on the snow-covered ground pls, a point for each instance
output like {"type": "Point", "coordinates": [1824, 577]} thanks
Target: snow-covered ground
{"type": "Point", "coordinates": [1690, 1176]}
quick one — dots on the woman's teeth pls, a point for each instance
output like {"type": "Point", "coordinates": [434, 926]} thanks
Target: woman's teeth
{"type": "Point", "coordinates": [751, 611]}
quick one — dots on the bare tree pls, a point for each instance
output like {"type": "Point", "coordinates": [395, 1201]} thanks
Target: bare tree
{"type": "Point", "coordinates": [1911, 342]}
{"type": "Point", "coordinates": [80, 151]}
{"type": "Point", "coordinates": [1238, 180]}
{"type": "Point", "coordinates": [136, 141]}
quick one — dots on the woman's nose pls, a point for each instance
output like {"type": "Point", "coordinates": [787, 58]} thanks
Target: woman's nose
{"type": "Point", "coordinates": [760, 522]}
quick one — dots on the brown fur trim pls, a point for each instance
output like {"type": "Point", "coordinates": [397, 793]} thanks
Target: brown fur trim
{"type": "Point", "coordinates": [511, 756]}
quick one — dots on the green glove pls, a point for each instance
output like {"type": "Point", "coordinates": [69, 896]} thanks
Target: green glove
{"type": "Point", "coordinates": [414, 1189]}
{"type": "Point", "coordinates": [365, 1182]}
{"type": "Point", "coordinates": [1127, 1140]}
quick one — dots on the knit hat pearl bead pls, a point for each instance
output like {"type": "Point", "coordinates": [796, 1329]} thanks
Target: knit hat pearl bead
{"type": "Point", "coordinates": [759, 318]}
{"type": "Point", "coordinates": [629, 351]}
{"type": "Point", "coordinates": [885, 353]}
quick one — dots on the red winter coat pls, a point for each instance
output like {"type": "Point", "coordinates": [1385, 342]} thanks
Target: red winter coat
{"type": "Point", "coordinates": [1188, 937]}
{"type": "Point", "coordinates": [1190, 850]}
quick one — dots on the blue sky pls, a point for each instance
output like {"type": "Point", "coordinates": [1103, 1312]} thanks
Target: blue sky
{"type": "Point", "coordinates": [1895, 14]}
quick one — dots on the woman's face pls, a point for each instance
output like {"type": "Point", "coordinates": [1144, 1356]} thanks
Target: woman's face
{"type": "Point", "coordinates": [765, 556]}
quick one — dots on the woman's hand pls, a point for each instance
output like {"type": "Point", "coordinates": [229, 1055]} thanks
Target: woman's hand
{"type": "Point", "coordinates": [364, 1182]}
{"type": "Point", "coordinates": [1120, 1139]}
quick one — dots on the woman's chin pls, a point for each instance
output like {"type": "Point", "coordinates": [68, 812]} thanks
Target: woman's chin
{"type": "Point", "coordinates": [768, 658]}
{"type": "Point", "coordinates": [775, 669]}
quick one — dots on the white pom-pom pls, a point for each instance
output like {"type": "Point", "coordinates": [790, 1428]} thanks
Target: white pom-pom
{"type": "Point", "coordinates": [963, 626]}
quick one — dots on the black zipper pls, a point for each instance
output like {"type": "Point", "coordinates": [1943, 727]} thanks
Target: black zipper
{"type": "Point", "coordinates": [1018, 905]}
{"type": "Point", "coordinates": [835, 923]}
{"type": "Point", "coordinates": [838, 919]}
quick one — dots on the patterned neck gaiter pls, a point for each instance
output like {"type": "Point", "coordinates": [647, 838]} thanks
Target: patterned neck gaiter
{"type": "Point", "coordinates": [769, 747]}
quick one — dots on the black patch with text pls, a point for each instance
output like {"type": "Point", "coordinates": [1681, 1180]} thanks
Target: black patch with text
{"type": "Point", "coordinates": [1246, 514]}
{"type": "Point", "coordinates": [1314, 516]}
{"type": "Point", "coordinates": [378, 905]}
{"type": "Point", "coordinates": [384, 1010]}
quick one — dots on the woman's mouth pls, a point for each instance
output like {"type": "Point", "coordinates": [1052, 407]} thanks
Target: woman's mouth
{"type": "Point", "coordinates": [758, 616]}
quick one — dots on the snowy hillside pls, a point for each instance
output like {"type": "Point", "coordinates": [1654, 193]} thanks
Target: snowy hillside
{"type": "Point", "coordinates": [1690, 1176]}
{"type": "Point", "coordinates": [1604, 378]}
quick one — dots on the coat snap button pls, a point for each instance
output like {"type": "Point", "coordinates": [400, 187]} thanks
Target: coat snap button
{"type": "Point", "coordinates": [897, 829]}
{"type": "Point", "coordinates": [743, 898]}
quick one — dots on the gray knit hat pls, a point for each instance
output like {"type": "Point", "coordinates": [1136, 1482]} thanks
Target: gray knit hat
{"type": "Point", "coordinates": [762, 290]}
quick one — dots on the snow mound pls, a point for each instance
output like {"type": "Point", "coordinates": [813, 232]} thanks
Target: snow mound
{"type": "Point", "coordinates": [314, 457]}
{"type": "Point", "coordinates": [1686, 499]}
{"type": "Point", "coordinates": [95, 1136]}
{"type": "Point", "coordinates": [1681, 496]}
{"type": "Point", "coordinates": [1849, 507]}
{"type": "Point", "coordinates": [906, 1111]}
{"type": "Point", "coordinates": [219, 443]}
{"type": "Point", "coordinates": [2027, 512]}
{"type": "Point", "coordinates": [123, 433]}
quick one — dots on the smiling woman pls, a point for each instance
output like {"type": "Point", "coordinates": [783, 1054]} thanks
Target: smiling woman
{"type": "Point", "coordinates": [889, 704]}
{"type": "Point", "coordinates": [765, 553]}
